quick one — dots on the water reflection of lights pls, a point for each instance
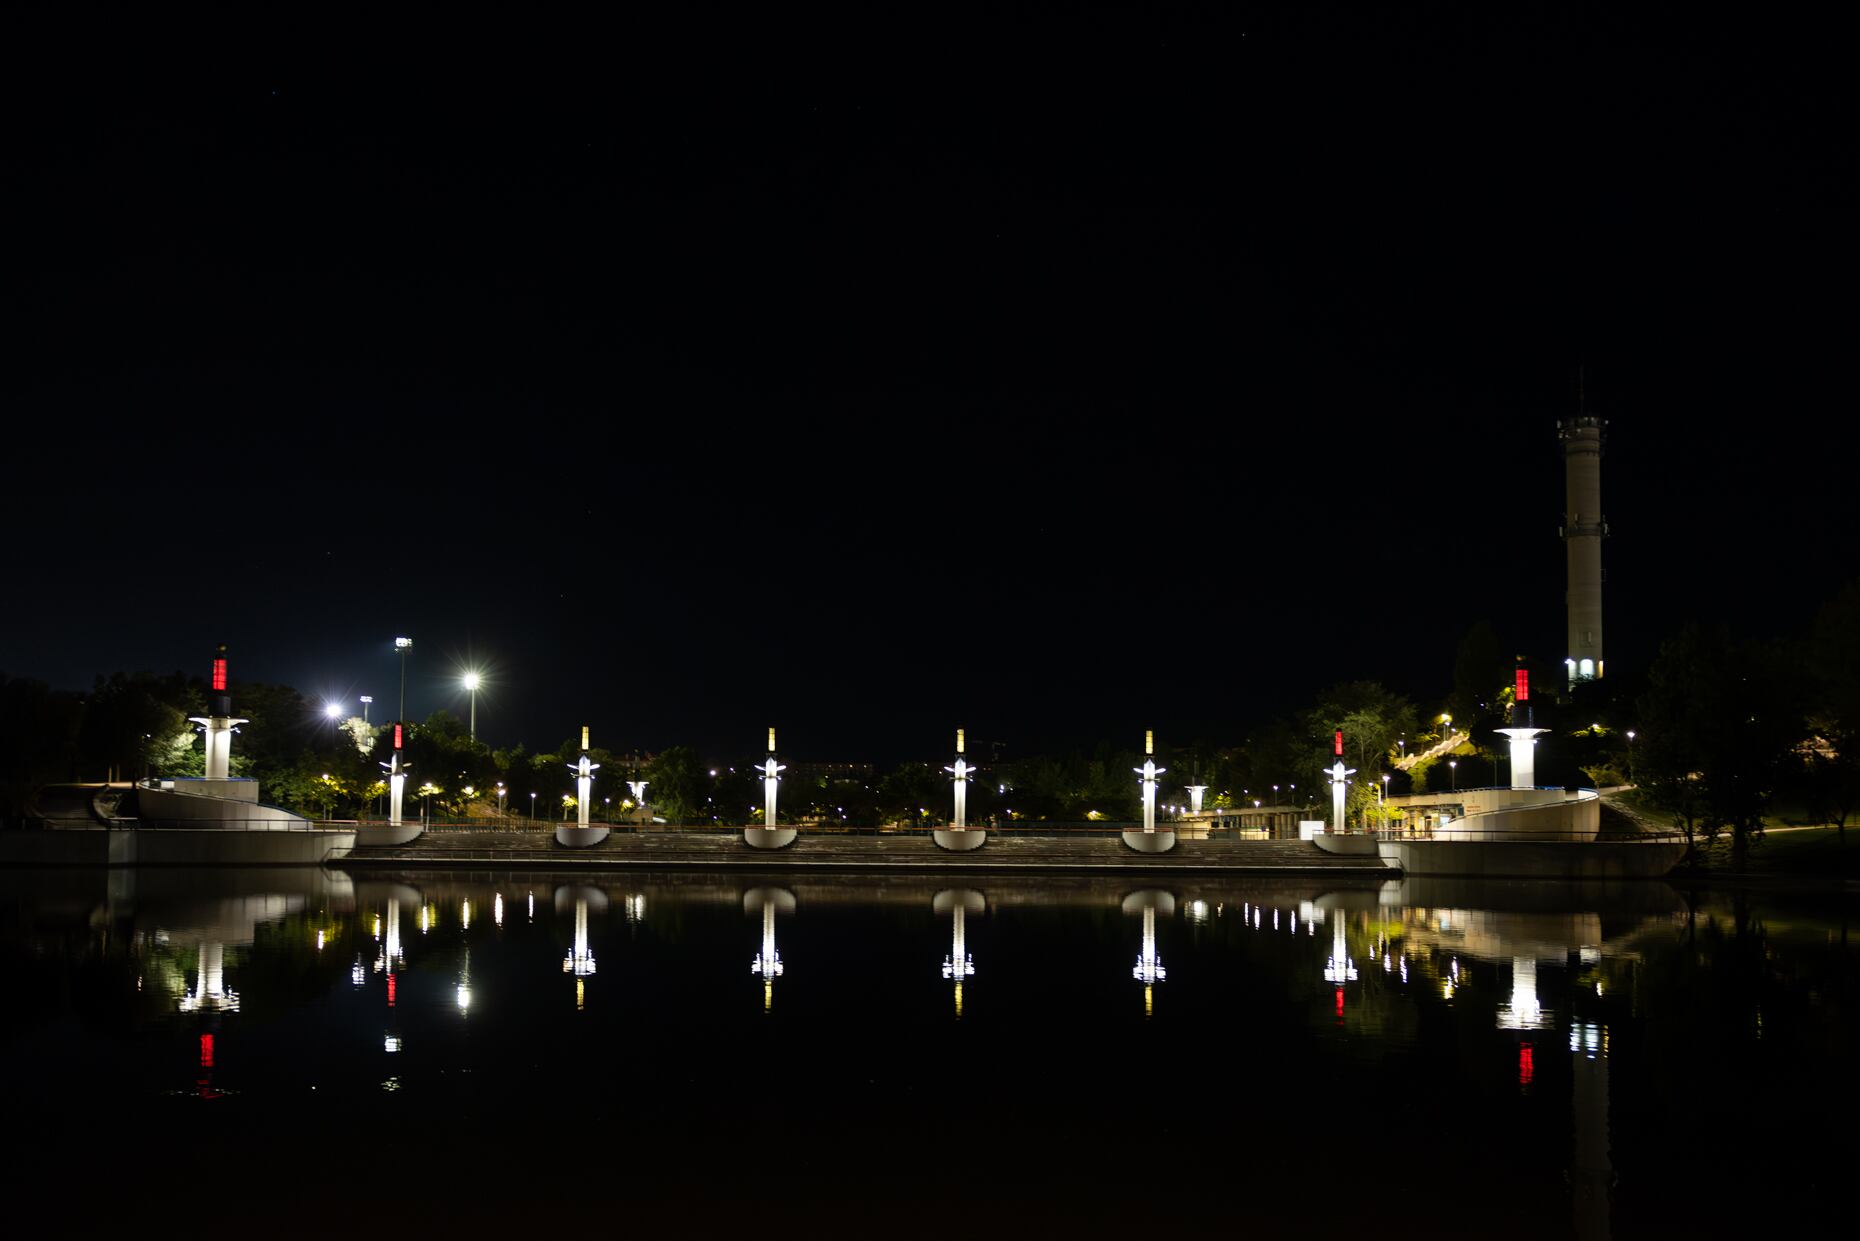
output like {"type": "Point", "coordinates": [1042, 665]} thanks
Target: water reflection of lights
{"type": "Point", "coordinates": [497, 909]}
{"type": "Point", "coordinates": [532, 906]}
{"type": "Point", "coordinates": [426, 918]}
{"type": "Point", "coordinates": [392, 955]}
{"type": "Point", "coordinates": [1339, 968]}
{"type": "Point", "coordinates": [636, 907]}
{"type": "Point", "coordinates": [580, 960]}
{"type": "Point", "coordinates": [1588, 1039]}
{"type": "Point", "coordinates": [391, 1043]}
{"type": "Point", "coordinates": [1524, 1011]}
{"type": "Point", "coordinates": [319, 941]}
{"type": "Point", "coordinates": [465, 914]}
{"type": "Point", "coordinates": [210, 993]}
{"type": "Point", "coordinates": [358, 975]}
{"type": "Point", "coordinates": [1149, 967]}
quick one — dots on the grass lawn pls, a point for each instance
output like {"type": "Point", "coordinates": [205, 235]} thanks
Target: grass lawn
{"type": "Point", "coordinates": [1814, 851]}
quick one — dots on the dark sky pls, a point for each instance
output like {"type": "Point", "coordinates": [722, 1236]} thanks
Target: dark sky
{"type": "Point", "coordinates": [1060, 377]}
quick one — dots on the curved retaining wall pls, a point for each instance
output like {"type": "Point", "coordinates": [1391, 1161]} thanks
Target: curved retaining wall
{"type": "Point", "coordinates": [173, 846]}
{"type": "Point", "coordinates": [160, 807]}
{"type": "Point", "coordinates": [1541, 814]}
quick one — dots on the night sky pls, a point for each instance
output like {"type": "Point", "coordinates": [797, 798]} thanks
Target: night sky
{"type": "Point", "coordinates": [1060, 378]}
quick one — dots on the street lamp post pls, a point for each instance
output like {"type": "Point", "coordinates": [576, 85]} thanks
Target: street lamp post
{"type": "Point", "coordinates": [500, 801]}
{"type": "Point", "coordinates": [532, 810]}
{"type": "Point", "coordinates": [1453, 774]}
{"type": "Point", "coordinates": [403, 646]}
{"type": "Point", "coordinates": [472, 681]}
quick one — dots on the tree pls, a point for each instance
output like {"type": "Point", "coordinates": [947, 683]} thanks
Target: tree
{"type": "Point", "coordinates": [1833, 768]}
{"type": "Point", "coordinates": [1720, 720]}
{"type": "Point", "coordinates": [1481, 670]}
{"type": "Point", "coordinates": [679, 784]}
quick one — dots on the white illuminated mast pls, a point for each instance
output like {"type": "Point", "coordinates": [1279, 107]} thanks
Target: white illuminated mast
{"type": "Point", "coordinates": [1149, 771]}
{"type": "Point", "coordinates": [582, 835]}
{"type": "Point", "coordinates": [218, 727]}
{"type": "Point", "coordinates": [584, 781]}
{"type": "Point", "coordinates": [1339, 785]}
{"type": "Point", "coordinates": [959, 775]}
{"type": "Point", "coordinates": [771, 782]}
{"type": "Point", "coordinates": [769, 836]}
{"type": "Point", "coordinates": [397, 779]}
{"type": "Point", "coordinates": [1195, 792]}
{"type": "Point", "coordinates": [1523, 736]}
{"type": "Point", "coordinates": [1149, 840]}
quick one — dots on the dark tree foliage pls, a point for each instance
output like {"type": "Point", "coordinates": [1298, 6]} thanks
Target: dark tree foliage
{"type": "Point", "coordinates": [1833, 760]}
{"type": "Point", "coordinates": [1720, 722]}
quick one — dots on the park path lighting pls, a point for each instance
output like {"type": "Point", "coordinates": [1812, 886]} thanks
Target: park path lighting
{"type": "Point", "coordinates": [1453, 774]}
{"type": "Point", "coordinates": [472, 682]}
{"type": "Point", "coordinates": [532, 810]}
{"type": "Point", "coordinates": [500, 800]}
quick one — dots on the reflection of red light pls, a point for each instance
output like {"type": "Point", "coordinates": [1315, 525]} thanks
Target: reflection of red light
{"type": "Point", "coordinates": [1339, 1003]}
{"type": "Point", "coordinates": [1524, 685]}
{"type": "Point", "coordinates": [219, 676]}
{"type": "Point", "coordinates": [390, 990]}
{"type": "Point", "coordinates": [397, 736]}
{"type": "Point", "coordinates": [1527, 1065]}
{"type": "Point", "coordinates": [1340, 743]}
{"type": "Point", "coordinates": [206, 1051]}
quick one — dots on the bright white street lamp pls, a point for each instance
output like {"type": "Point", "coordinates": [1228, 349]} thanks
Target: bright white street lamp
{"type": "Point", "coordinates": [472, 682]}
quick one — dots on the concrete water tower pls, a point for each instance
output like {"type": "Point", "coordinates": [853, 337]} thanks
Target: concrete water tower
{"type": "Point", "coordinates": [1584, 528]}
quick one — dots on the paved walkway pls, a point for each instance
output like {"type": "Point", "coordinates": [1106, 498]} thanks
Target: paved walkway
{"type": "Point", "coordinates": [715, 850]}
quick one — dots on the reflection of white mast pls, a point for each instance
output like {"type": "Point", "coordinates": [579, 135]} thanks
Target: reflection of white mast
{"type": "Point", "coordinates": [391, 955]}
{"type": "Point", "coordinates": [1524, 1012]}
{"type": "Point", "coordinates": [1149, 968]}
{"type": "Point", "coordinates": [210, 994]}
{"type": "Point", "coordinates": [1592, 1171]}
{"type": "Point", "coordinates": [580, 961]}
{"type": "Point", "coordinates": [768, 961]}
{"type": "Point", "coordinates": [1339, 968]}
{"type": "Point", "coordinates": [959, 964]}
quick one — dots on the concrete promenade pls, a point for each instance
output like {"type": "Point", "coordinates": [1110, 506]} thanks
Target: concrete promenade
{"type": "Point", "coordinates": [832, 851]}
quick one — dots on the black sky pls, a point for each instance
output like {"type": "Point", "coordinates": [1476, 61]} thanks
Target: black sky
{"type": "Point", "coordinates": [1034, 376]}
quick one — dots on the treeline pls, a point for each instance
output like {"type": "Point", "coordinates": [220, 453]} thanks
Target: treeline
{"type": "Point", "coordinates": [1717, 733]}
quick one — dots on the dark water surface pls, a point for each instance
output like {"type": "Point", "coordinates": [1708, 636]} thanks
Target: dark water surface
{"type": "Point", "coordinates": [309, 1052]}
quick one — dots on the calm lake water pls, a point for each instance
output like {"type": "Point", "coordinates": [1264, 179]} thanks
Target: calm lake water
{"type": "Point", "coordinates": [310, 1052]}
